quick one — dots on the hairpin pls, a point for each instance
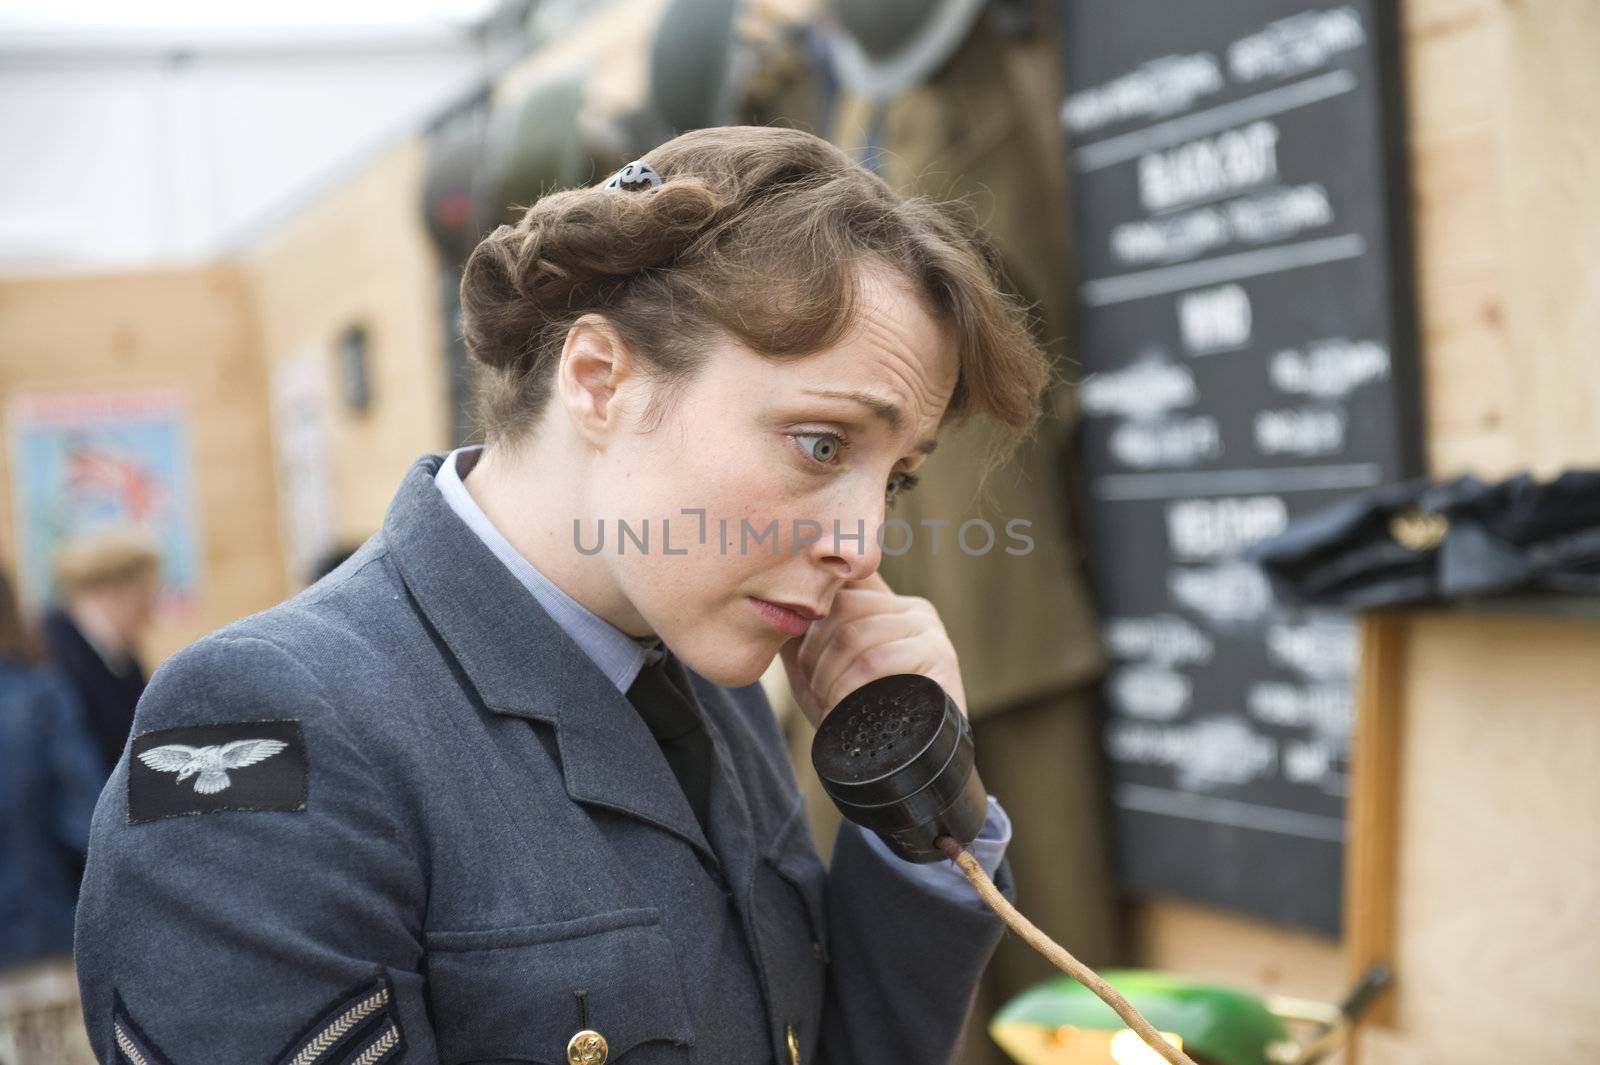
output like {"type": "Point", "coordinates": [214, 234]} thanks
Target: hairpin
{"type": "Point", "coordinates": [637, 174]}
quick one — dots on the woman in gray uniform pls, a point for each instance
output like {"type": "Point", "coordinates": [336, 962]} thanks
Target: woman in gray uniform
{"type": "Point", "coordinates": [503, 787]}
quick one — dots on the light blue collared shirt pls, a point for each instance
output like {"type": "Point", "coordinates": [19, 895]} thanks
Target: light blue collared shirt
{"type": "Point", "coordinates": [620, 657]}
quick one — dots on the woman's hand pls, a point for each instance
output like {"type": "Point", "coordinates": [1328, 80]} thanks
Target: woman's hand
{"type": "Point", "coordinates": [870, 632]}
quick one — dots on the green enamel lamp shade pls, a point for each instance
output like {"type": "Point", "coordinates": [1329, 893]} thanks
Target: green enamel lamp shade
{"type": "Point", "coordinates": [1061, 1022]}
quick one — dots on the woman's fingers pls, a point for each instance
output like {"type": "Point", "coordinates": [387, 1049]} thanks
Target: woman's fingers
{"type": "Point", "coordinates": [860, 637]}
{"type": "Point", "coordinates": [870, 632]}
{"type": "Point", "coordinates": [830, 663]}
{"type": "Point", "coordinates": [909, 654]}
{"type": "Point", "coordinates": [849, 606]}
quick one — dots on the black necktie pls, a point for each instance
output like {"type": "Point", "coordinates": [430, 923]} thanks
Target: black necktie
{"type": "Point", "coordinates": [663, 697]}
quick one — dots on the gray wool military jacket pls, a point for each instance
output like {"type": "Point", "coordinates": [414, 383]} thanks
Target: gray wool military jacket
{"type": "Point", "coordinates": [403, 817]}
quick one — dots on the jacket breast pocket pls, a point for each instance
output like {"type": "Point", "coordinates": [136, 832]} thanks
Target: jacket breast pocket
{"type": "Point", "coordinates": [521, 994]}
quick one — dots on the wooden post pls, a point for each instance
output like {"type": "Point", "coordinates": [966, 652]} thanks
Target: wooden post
{"type": "Point", "coordinates": [1372, 847]}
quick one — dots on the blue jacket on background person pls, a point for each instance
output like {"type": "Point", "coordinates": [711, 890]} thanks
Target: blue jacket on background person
{"type": "Point", "coordinates": [50, 776]}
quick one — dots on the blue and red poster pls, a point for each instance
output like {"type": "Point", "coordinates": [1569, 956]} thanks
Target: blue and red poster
{"type": "Point", "coordinates": [84, 462]}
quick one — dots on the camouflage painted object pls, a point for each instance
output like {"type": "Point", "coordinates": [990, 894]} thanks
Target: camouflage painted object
{"type": "Point", "coordinates": [1060, 1022]}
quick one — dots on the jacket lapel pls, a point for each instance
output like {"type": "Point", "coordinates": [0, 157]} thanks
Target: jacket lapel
{"type": "Point", "coordinates": [523, 664]}
{"type": "Point", "coordinates": [732, 833]}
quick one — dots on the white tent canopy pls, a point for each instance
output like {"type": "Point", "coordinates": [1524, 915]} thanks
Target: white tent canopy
{"type": "Point", "coordinates": [171, 131]}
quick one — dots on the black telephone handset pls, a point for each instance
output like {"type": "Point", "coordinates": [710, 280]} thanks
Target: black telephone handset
{"type": "Point", "coordinates": [895, 755]}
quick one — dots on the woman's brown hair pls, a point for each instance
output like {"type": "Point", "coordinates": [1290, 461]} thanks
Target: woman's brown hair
{"type": "Point", "coordinates": [758, 232]}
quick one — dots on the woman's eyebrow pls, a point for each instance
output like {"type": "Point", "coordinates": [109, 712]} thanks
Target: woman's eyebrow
{"type": "Point", "coordinates": [882, 409]}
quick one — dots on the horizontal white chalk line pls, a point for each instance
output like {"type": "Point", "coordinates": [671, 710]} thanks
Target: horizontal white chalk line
{"type": "Point", "coordinates": [1231, 812]}
{"type": "Point", "coordinates": [1231, 482]}
{"type": "Point", "coordinates": [1130, 145]}
{"type": "Point", "coordinates": [1120, 288]}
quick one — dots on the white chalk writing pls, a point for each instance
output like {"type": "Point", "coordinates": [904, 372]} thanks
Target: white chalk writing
{"type": "Point", "coordinates": [1218, 528]}
{"type": "Point", "coordinates": [1164, 638]}
{"type": "Point", "coordinates": [1206, 754]}
{"type": "Point", "coordinates": [1148, 388]}
{"type": "Point", "coordinates": [1253, 219]}
{"type": "Point", "coordinates": [1228, 592]}
{"type": "Point", "coordinates": [1174, 442]}
{"type": "Point", "coordinates": [1169, 240]}
{"type": "Point", "coordinates": [1295, 44]}
{"type": "Point", "coordinates": [1279, 214]}
{"type": "Point", "coordinates": [1215, 319]}
{"type": "Point", "coordinates": [1150, 692]}
{"type": "Point", "coordinates": [1311, 762]}
{"type": "Point", "coordinates": [1162, 86]}
{"type": "Point", "coordinates": [1304, 431]}
{"type": "Point", "coordinates": [1323, 649]}
{"type": "Point", "coordinates": [1326, 709]}
{"type": "Point", "coordinates": [1329, 369]}
{"type": "Point", "coordinates": [1209, 167]}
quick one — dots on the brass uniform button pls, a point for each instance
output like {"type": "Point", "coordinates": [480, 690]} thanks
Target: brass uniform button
{"type": "Point", "coordinates": [587, 1048]}
{"type": "Point", "coordinates": [794, 1045]}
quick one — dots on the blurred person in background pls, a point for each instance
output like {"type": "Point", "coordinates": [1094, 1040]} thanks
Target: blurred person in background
{"type": "Point", "coordinates": [50, 776]}
{"type": "Point", "coordinates": [108, 585]}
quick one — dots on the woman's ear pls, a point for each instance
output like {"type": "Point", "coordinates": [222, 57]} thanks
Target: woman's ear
{"type": "Point", "coordinates": [596, 366]}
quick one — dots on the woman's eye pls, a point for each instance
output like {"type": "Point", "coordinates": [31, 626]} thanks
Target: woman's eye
{"type": "Point", "coordinates": [899, 484]}
{"type": "Point", "coordinates": [826, 448]}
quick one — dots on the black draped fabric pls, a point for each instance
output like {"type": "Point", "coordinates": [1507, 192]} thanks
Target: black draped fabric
{"type": "Point", "coordinates": [664, 698]}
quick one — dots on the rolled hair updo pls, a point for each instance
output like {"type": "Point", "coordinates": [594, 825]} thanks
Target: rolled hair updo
{"type": "Point", "coordinates": [757, 232]}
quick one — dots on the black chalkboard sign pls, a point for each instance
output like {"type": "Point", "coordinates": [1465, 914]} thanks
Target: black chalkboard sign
{"type": "Point", "coordinates": [1247, 341]}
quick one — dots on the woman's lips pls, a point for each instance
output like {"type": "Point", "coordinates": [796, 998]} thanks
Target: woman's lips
{"type": "Point", "coordinates": [782, 618]}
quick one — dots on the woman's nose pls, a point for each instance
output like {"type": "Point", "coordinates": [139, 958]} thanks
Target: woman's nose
{"type": "Point", "coordinates": [848, 545]}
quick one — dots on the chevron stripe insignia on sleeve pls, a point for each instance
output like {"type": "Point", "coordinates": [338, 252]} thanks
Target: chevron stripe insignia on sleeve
{"type": "Point", "coordinates": [133, 1048]}
{"type": "Point", "coordinates": [359, 1028]}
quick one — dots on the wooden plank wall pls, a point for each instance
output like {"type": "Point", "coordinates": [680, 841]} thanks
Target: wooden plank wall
{"type": "Point", "coordinates": [1495, 871]}
{"type": "Point", "coordinates": [190, 330]}
{"type": "Point", "coordinates": [1505, 157]}
{"type": "Point", "coordinates": [361, 256]}
{"type": "Point", "coordinates": [1497, 877]}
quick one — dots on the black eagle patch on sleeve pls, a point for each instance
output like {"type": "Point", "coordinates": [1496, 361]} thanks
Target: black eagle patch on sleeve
{"type": "Point", "coordinates": [202, 769]}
